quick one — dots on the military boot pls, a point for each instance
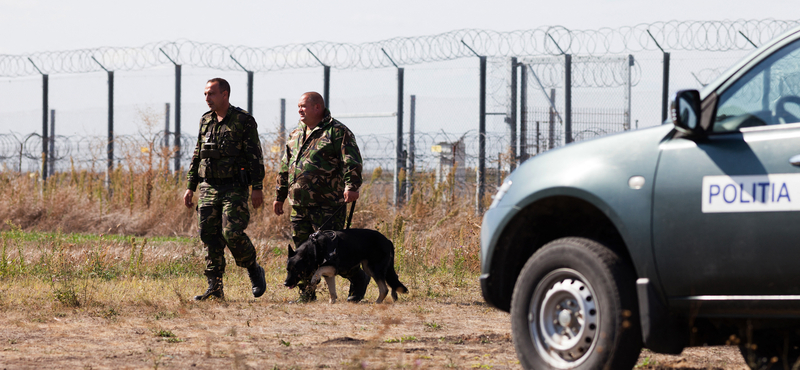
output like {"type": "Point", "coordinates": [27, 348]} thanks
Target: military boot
{"type": "Point", "coordinates": [256, 274]}
{"type": "Point", "coordinates": [214, 286]}
{"type": "Point", "coordinates": [359, 280]}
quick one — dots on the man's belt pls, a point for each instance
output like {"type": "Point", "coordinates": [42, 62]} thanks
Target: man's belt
{"type": "Point", "coordinates": [221, 181]}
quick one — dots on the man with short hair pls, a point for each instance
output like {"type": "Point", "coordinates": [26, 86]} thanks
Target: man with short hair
{"type": "Point", "coordinates": [226, 161]}
{"type": "Point", "coordinates": [320, 172]}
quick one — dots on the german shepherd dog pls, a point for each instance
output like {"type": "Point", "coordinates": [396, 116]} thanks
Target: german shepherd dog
{"type": "Point", "coordinates": [327, 253]}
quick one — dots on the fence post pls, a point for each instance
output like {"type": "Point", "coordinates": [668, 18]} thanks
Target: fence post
{"type": "Point", "coordinates": [511, 119]}
{"type": "Point", "coordinates": [326, 87]}
{"type": "Point", "coordinates": [665, 81]}
{"type": "Point", "coordinates": [249, 86]}
{"type": "Point", "coordinates": [411, 147]}
{"type": "Point", "coordinates": [626, 125]}
{"type": "Point", "coordinates": [51, 153]}
{"type": "Point", "coordinates": [177, 112]}
{"type": "Point", "coordinates": [551, 127]}
{"type": "Point", "coordinates": [480, 178]}
{"type": "Point", "coordinates": [166, 127]}
{"type": "Point", "coordinates": [177, 119]}
{"type": "Point", "coordinates": [250, 92]}
{"type": "Point", "coordinates": [282, 128]}
{"type": "Point", "coordinates": [45, 136]}
{"type": "Point", "coordinates": [45, 94]}
{"type": "Point", "coordinates": [400, 157]}
{"type": "Point", "coordinates": [665, 89]}
{"type": "Point", "coordinates": [400, 154]}
{"type": "Point", "coordinates": [567, 98]}
{"type": "Point", "coordinates": [481, 175]}
{"type": "Point", "coordinates": [110, 142]}
{"type": "Point", "coordinates": [523, 114]}
{"type": "Point", "coordinates": [110, 145]}
{"type": "Point", "coordinates": [326, 79]}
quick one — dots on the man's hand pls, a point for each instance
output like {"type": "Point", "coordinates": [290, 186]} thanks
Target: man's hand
{"type": "Point", "coordinates": [257, 198]}
{"type": "Point", "coordinates": [350, 196]}
{"type": "Point", "coordinates": [277, 207]}
{"type": "Point", "coordinates": [187, 198]}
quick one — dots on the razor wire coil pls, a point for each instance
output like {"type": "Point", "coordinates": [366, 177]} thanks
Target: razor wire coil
{"type": "Point", "coordinates": [672, 36]}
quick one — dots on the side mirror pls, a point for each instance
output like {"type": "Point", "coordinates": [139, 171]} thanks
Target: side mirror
{"type": "Point", "coordinates": [686, 111]}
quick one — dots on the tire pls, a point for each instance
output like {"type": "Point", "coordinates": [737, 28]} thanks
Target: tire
{"type": "Point", "coordinates": [580, 285]}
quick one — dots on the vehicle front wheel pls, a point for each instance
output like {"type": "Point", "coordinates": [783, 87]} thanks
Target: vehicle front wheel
{"type": "Point", "coordinates": [574, 307]}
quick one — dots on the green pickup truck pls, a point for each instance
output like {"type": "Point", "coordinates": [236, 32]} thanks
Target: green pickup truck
{"type": "Point", "coordinates": [684, 234]}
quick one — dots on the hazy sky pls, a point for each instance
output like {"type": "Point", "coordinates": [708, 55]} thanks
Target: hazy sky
{"type": "Point", "coordinates": [44, 25]}
{"type": "Point", "coordinates": [50, 25]}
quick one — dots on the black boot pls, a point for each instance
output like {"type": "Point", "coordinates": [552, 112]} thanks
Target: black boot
{"type": "Point", "coordinates": [359, 280]}
{"type": "Point", "coordinates": [256, 274]}
{"type": "Point", "coordinates": [214, 286]}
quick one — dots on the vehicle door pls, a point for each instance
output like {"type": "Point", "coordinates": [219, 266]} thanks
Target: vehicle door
{"type": "Point", "coordinates": [726, 207]}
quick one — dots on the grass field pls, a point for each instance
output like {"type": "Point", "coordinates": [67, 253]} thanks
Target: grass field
{"type": "Point", "coordinates": [102, 276]}
{"type": "Point", "coordinates": [89, 301]}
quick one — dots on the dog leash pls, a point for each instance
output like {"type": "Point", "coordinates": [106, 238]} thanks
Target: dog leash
{"type": "Point", "coordinates": [350, 217]}
{"type": "Point", "coordinates": [322, 227]}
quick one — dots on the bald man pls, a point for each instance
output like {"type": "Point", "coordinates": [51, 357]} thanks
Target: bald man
{"type": "Point", "coordinates": [320, 172]}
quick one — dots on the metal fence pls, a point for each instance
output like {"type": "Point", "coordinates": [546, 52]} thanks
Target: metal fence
{"type": "Point", "coordinates": [471, 100]}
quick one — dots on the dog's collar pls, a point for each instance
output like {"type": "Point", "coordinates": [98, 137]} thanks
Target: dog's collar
{"type": "Point", "coordinates": [320, 252]}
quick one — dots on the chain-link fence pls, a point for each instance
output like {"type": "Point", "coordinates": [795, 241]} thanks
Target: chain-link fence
{"type": "Point", "coordinates": [544, 88]}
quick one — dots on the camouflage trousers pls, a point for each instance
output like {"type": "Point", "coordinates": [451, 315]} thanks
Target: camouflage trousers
{"type": "Point", "coordinates": [306, 220]}
{"type": "Point", "coordinates": [223, 216]}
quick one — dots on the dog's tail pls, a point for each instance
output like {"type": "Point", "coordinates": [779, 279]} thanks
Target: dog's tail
{"type": "Point", "coordinates": [394, 281]}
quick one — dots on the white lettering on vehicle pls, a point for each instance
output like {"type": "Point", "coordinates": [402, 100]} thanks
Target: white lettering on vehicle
{"type": "Point", "coordinates": [756, 193]}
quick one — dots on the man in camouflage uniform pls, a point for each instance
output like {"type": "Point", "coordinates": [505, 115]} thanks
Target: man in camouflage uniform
{"type": "Point", "coordinates": [320, 172]}
{"type": "Point", "coordinates": [226, 160]}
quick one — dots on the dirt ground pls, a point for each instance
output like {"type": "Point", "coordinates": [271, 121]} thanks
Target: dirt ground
{"type": "Point", "coordinates": [271, 334]}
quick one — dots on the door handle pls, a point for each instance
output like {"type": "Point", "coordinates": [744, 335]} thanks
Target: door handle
{"type": "Point", "coordinates": [795, 160]}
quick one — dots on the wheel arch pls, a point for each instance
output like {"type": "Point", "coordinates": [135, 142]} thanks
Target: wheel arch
{"type": "Point", "coordinates": [538, 223]}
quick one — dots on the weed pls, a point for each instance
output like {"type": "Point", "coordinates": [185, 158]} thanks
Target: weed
{"type": "Point", "coordinates": [164, 333]}
{"type": "Point", "coordinates": [165, 315]}
{"type": "Point", "coordinates": [646, 362]}
{"type": "Point", "coordinates": [110, 313]}
{"type": "Point", "coordinates": [66, 295]}
{"type": "Point", "coordinates": [433, 326]}
{"type": "Point", "coordinates": [285, 343]}
{"type": "Point", "coordinates": [409, 338]}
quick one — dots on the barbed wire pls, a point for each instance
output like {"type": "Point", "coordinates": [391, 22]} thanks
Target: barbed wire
{"type": "Point", "coordinates": [89, 152]}
{"type": "Point", "coordinates": [672, 36]}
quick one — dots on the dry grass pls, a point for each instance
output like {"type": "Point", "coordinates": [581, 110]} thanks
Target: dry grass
{"type": "Point", "coordinates": [111, 302]}
{"type": "Point", "coordinates": [141, 197]}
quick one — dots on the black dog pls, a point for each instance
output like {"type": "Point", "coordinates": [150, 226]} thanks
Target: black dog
{"type": "Point", "coordinates": [327, 253]}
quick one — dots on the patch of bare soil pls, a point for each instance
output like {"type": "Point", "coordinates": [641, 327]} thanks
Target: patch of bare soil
{"type": "Point", "coordinates": [272, 334]}
{"type": "Point", "coordinates": [261, 334]}
{"type": "Point", "coordinates": [695, 358]}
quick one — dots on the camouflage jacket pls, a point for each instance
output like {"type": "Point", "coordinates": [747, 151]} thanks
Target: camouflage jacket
{"type": "Point", "coordinates": [317, 167]}
{"type": "Point", "coordinates": [239, 148]}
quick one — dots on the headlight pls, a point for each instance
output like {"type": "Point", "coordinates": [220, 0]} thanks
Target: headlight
{"type": "Point", "coordinates": [500, 193]}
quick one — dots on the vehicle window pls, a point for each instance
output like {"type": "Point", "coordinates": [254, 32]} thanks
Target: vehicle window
{"type": "Point", "coordinates": [769, 94]}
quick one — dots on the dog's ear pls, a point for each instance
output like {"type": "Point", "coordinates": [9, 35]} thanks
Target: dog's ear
{"type": "Point", "coordinates": [291, 251]}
